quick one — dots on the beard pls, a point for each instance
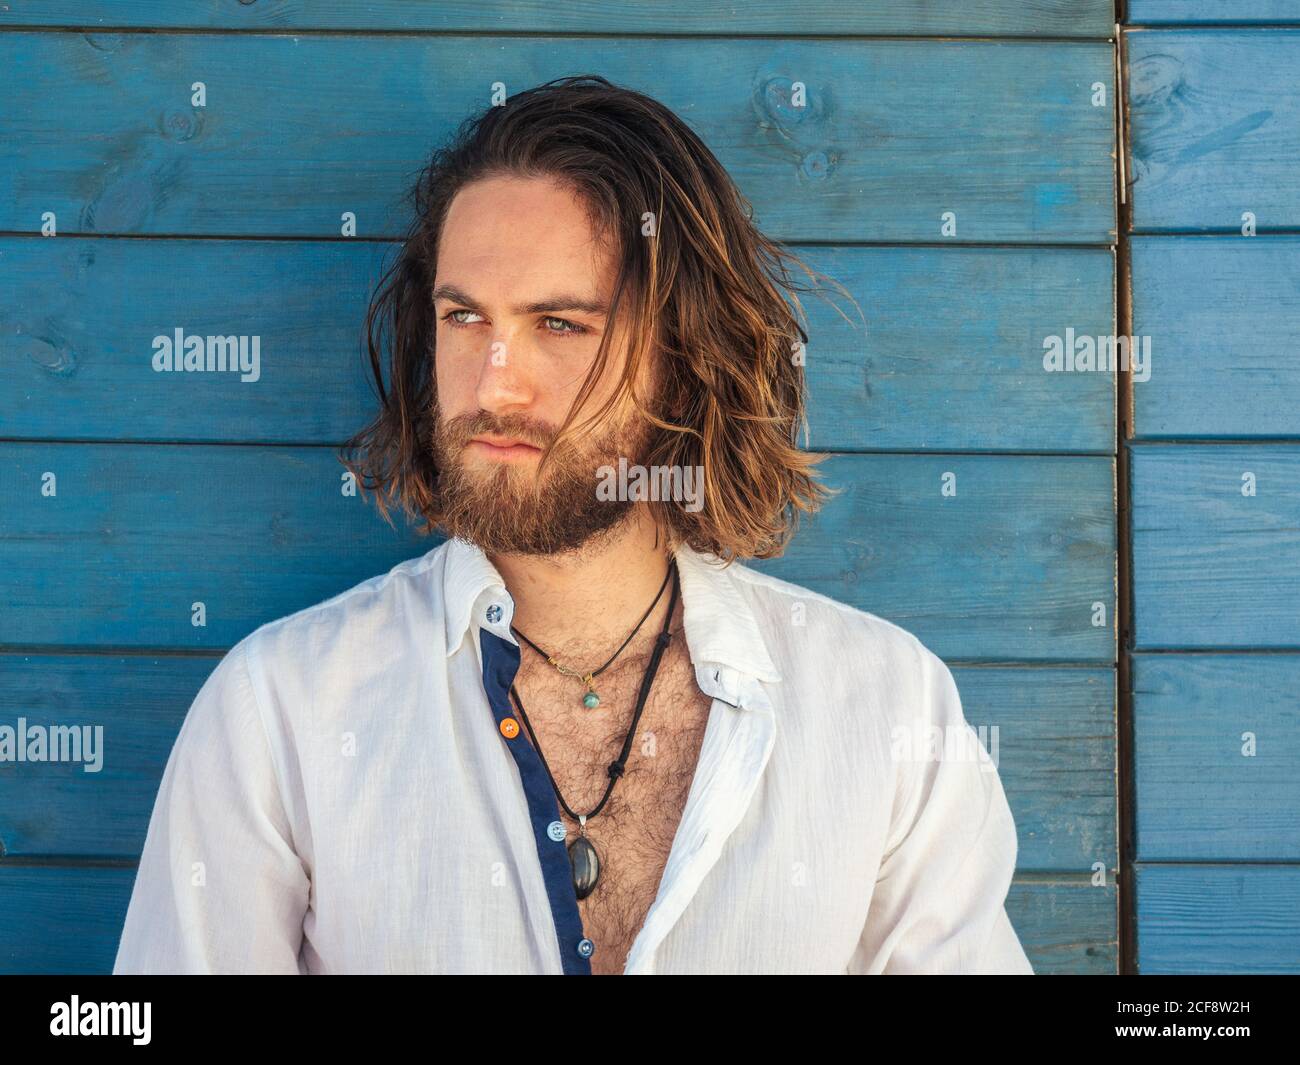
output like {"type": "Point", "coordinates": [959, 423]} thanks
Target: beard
{"type": "Point", "coordinates": [504, 507]}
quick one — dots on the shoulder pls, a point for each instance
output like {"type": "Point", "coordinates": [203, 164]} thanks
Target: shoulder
{"type": "Point", "coordinates": [858, 660]}
{"type": "Point", "coordinates": [378, 600]}
{"type": "Point", "coordinates": [328, 645]}
{"type": "Point", "coordinates": [839, 629]}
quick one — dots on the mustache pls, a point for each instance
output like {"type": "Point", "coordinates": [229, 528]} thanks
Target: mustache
{"type": "Point", "coordinates": [462, 429]}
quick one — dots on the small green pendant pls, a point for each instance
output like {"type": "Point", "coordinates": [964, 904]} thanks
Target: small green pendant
{"type": "Point", "coordinates": [591, 700]}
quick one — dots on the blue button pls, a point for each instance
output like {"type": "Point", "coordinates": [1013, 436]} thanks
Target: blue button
{"type": "Point", "coordinates": [556, 831]}
{"type": "Point", "coordinates": [494, 613]}
{"type": "Point", "coordinates": [586, 947]}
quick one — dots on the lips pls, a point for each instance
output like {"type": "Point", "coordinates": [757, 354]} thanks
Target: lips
{"type": "Point", "coordinates": [503, 442]}
{"type": "Point", "coordinates": [503, 449]}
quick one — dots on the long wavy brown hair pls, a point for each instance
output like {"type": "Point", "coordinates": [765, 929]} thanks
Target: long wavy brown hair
{"type": "Point", "coordinates": [703, 290]}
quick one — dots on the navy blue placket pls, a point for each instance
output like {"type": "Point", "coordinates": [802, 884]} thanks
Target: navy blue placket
{"type": "Point", "coordinates": [500, 664]}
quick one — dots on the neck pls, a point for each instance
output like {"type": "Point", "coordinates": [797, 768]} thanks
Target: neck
{"type": "Point", "coordinates": [592, 598]}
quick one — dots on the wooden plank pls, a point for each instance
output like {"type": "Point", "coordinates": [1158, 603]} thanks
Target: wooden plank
{"type": "Point", "coordinates": [1051, 731]}
{"type": "Point", "coordinates": [1213, 568]}
{"type": "Point", "coordinates": [951, 357]}
{"type": "Point", "coordinates": [1211, 12]}
{"type": "Point", "coordinates": [61, 919]}
{"type": "Point", "coordinates": [99, 129]}
{"type": "Point", "coordinates": [1210, 919]}
{"type": "Point", "coordinates": [966, 374]}
{"type": "Point", "coordinates": [1214, 123]}
{"type": "Point", "coordinates": [1066, 927]}
{"type": "Point", "coordinates": [69, 919]}
{"type": "Point", "coordinates": [85, 312]}
{"type": "Point", "coordinates": [137, 534]}
{"type": "Point", "coordinates": [53, 809]}
{"type": "Point", "coordinates": [1225, 728]}
{"type": "Point", "coordinates": [1009, 569]}
{"type": "Point", "coordinates": [1222, 315]}
{"type": "Point", "coordinates": [1055, 747]}
{"type": "Point", "coordinates": [1003, 18]}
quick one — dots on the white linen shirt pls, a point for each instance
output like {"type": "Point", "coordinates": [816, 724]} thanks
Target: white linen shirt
{"type": "Point", "coordinates": [341, 799]}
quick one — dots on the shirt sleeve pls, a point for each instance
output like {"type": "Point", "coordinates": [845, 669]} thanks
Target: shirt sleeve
{"type": "Point", "coordinates": [939, 900]}
{"type": "Point", "coordinates": [220, 888]}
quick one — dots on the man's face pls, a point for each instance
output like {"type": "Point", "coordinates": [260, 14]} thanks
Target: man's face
{"type": "Point", "coordinates": [521, 287]}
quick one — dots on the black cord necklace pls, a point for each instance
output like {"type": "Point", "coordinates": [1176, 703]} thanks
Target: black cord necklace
{"type": "Point", "coordinates": [590, 699]}
{"type": "Point", "coordinates": [584, 861]}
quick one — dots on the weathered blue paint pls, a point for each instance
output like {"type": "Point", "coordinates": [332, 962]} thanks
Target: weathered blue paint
{"type": "Point", "coordinates": [1222, 728]}
{"type": "Point", "coordinates": [1002, 18]}
{"type": "Point", "coordinates": [1215, 129]}
{"type": "Point", "coordinates": [156, 508]}
{"type": "Point", "coordinates": [1197, 919]}
{"type": "Point", "coordinates": [1215, 134]}
{"type": "Point", "coordinates": [944, 351]}
{"type": "Point", "coordinates": [898, 132]}
{"type": "Point", "coordinates": [1222, 315]}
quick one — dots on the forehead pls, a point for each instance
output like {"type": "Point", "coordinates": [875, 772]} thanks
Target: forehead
{"type": "Point", "coordinates": [516, 235]}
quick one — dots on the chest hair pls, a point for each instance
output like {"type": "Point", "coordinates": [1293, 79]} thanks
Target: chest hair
{"type": "Point", "coordinates": [634, 830]}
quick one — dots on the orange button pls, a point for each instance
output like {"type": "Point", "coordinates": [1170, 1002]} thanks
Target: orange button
{"type": "Point", "coordinates": [510, 728]}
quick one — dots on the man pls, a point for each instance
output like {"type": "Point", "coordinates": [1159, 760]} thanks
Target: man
{"type": "Point", "coordinates": [571, 739]}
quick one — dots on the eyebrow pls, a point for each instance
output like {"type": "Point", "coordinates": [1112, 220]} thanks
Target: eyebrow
{"type": "Point", "coordinates": [550, 305]}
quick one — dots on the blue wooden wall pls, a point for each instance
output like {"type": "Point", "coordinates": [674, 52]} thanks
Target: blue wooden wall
{"type": "Point", "coordinates": [226, 219]}
{"type": "Point", "coordinates": [1213, 454]}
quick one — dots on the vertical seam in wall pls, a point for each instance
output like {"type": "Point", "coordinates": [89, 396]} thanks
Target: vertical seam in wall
{"type": "Point", "coordinates": [1127, 930]}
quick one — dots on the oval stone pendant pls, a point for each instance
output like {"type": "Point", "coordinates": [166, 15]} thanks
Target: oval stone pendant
{"type": "Point", "coordinates": [585, 866]}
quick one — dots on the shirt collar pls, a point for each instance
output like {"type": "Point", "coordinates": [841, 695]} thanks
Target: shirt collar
{"type": "Point", "coordinates": [725, 643]}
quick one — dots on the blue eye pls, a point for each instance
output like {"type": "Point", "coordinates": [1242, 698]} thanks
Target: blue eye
{"type": "Point", "coordinates": [450, 317]}
{"type": "Point", "coordinates": [569, 328]}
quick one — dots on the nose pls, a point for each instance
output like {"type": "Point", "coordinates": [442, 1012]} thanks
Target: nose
{"type": "Point", "coordinates": [503, 381]}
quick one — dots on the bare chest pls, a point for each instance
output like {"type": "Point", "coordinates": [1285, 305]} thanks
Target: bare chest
{"type": "Point", "coordinates": [634, 829]}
